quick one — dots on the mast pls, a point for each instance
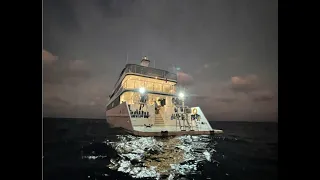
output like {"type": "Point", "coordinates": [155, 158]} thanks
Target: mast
{"type": "Point", "coordinates": [127, 59]}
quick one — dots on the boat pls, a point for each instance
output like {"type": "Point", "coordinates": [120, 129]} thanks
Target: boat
{"type": "Point", "coordinates": [145, 102]}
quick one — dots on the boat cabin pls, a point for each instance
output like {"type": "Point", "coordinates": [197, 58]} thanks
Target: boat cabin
{"type": "Point", "coordinates": [136, 81]}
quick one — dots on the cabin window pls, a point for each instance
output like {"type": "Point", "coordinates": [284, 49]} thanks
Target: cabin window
{"type": "Point", "coordinates": [166, 88]}
{"type": "Point", "coordinates": [130, 97]}
{"type": "Point", "coordinates": [127, 97]}
{"type": "Point", "coordinates": [129, 84]}
{"type": "Point", "coordinates": [149, 86]}
{"type": "Point", "coordinates": [138, 84]}
{"type": "Point", "coordinates": [157, 87]}
{"type": "Point", "coordinates": [136, 97]}
{"type": "Point", "coordinates": [116, 90]}
{"type": "Point", "coordinates": [135, 82]}
{"type": "Point", "coordinates": [114, 103]}
{"type": "Point", "coordinates": [139, 69]}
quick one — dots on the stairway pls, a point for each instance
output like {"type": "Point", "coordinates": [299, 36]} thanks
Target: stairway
{"type": "Point", "coordinates": [158, 120]}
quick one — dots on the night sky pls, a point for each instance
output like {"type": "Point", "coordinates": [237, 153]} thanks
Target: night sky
{"type": "Point", "coordinates": [229, 49]}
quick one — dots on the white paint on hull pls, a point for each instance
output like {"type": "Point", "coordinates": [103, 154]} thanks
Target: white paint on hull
{"type": "Point", "coordinates": [119, 116]}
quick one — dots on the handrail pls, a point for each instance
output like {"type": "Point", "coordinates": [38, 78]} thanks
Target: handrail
{"type": "Point", "coordinates": [134, 68]}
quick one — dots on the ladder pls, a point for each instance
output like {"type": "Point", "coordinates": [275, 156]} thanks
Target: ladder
{"type": "Point", "coordinates": [186, 119]}
{"type": "Point", "coordinates": [158, 120]}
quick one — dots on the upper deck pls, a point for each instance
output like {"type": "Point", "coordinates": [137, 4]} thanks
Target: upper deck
{"type": "Point", "coordinates": [143, 71]}
{"type": "Point", "coordinates": [148, 72]}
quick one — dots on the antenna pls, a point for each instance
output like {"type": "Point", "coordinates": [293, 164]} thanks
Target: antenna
{"type": "Point", "coordinates": [127, 59]}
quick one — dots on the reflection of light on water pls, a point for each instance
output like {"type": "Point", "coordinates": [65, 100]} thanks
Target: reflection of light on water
{"type": "Point", "coordinates": [93, 157]}
{"type": "Point", "coordinates": [150, 157]}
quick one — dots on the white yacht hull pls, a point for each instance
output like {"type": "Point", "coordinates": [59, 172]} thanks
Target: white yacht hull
{"type": "Point", "coordinates": [119, 116]}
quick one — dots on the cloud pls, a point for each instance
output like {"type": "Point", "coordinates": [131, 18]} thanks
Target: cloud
{"type": "Point", "coordinates": [251, 85]}
{"type": "Point", "coordinates": [244, 84]}
{"type": "Point", "coordinates": [262, 96]}
{"type": "Point", "coordinates": [244, 80]}
{"type": "Point", "coordinates": [59, 71]}
{"type": "Point", "coordinates": [241, 97]}
{"type": "Point", "coordinates": [48, 58]}
{"type": "Point", "coordinates": [207, 67]}
{"type": "Point", "coordinates": [57, 102]}
{"type": "Point", "coordinates": [78, 65]}
{"type": "Point", "coordinates": [184, 79]}
{"type": "Point", "coordinates": [71, 90]}
{"type": "Point", "coordinates": [225, 99]}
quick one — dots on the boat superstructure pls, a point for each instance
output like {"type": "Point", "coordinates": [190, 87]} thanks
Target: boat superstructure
{"type": "Point", "coordinates": [145, 102]}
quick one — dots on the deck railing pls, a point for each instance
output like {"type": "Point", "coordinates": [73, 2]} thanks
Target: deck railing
{"type": "Point", "coordinates": [149, 71]}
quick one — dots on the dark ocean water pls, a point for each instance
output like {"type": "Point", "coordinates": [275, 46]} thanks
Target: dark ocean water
{"type": "Point", "coordinates": [85, 149]}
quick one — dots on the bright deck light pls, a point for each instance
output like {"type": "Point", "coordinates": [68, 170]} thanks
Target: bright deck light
{"type": "Point", "coordinates": [142, 90]}
{"type": "Point", "coordinates": [181, 95]}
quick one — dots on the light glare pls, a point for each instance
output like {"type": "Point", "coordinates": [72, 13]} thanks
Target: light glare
{"type": "Point", "coordinates": [142, 90]}
{"type": "Point", "coordinates": [181, 95]}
